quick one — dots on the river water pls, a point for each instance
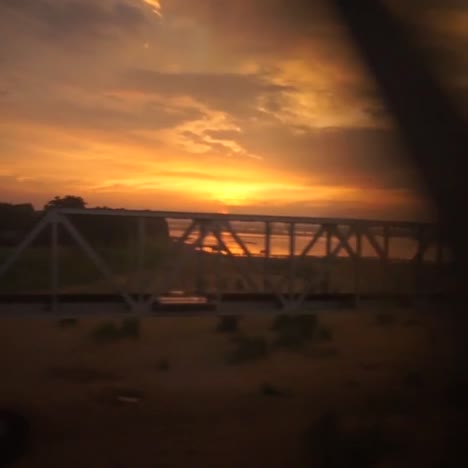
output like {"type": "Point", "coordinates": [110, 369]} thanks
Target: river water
{"type": "Point", "coordinates": [400, 248]}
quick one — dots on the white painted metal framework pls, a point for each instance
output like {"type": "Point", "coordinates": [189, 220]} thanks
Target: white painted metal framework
{"type": "Point", "coordinates": [341, 236]}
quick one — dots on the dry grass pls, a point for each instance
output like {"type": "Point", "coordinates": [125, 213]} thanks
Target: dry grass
{"type": "Point", "coordinates": [205, 413]}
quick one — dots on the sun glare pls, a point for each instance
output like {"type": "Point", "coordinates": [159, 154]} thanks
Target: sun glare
{"type": "Point", "coordinates": [232, 194]}
{"type": "Point", "coordinates": [155, 6]}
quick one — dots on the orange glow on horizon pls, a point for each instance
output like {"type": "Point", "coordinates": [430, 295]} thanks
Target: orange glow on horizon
{"type": "Point", "coordinates": [201, 108]}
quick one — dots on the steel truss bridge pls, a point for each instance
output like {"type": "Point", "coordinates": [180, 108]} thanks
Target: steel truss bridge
{"type": "Point", "coordinates": [287, 282]}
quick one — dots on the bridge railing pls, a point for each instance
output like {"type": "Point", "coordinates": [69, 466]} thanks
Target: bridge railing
{"type": "Point", "coordinates": [289, 258]}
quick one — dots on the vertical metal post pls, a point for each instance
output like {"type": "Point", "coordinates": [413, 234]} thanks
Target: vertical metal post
{"type": "Point", "coordinates": [418, 260]}
{"type": "Point", "coordinates": [140, 257]}
{"type": "Point", "coordinates": [386, 264]}
{"type": "Point", "coordinates": [292, 240]}
{"type": "Point", "coordinates": [54, 272]}
{"type": "Point", "coordinates": [267, 253]}
{"type": "Point", "coordinates": [386, 236]}
{"type": "Point", "coordinates": [200, 258]}
{"type": "Point", "coordinates": [218, 270]}
{"type": "Point", "coordinates": [328, 229]}
{"type": "Point", "coordinates": [357, 264]}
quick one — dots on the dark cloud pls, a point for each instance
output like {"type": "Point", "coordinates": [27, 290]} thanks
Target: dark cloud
{"type": "Point", "coordinates": [75, 21]}
{"type": "Point", "coordinates": [440, 29]}
{"type": "Point", "coordinates": [406, 207]}
{"type": "Point", "coordinates": [418, 7]}
{"type": "Point", "coordinates": [48, 80]}
{"type": "Point", "coordinates": [101, 117]}
{"type": "Point", "coordinates": [233, 93]}
{"type": "Point", "coordinates": [357, 157]}
{"type": "Point", "coordinates": [260, 26]}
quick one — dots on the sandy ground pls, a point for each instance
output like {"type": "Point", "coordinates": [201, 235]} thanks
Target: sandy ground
{"type": "Point", "coordinates": [202, 412]}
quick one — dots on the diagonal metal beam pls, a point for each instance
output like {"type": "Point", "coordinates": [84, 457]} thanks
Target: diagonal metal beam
{"type": "Point", "coordinates": [304, 252]}
{"type": "Point", "coordinates": [98, 261]}
{"type": "Point", "coordinates": [178, 266]}
{"type": "Point", "coordinates": [26, 242]}
{"type": "Point", "coordinates": [175, 249]}
{"type": "Point", "coordinates": [223, 245]}
{"type": "Point", "coordinates": [343, 242]}
{"type": "Point", "coordinates": [186, 234]}
{"type": "Point", "coordinates": [375, 245]}
{"type": "Point", "coordinates": [236, 237]}
{"type": "Point", "coordinates": [54, 264]}
{"type": "Point", "coordinates": [300, 299]}
{"type": "Point", "coordinates": [300, 257]}
{"type": "Point", "coordinates": [313, 241]}
{"type": "Point", "coordinates": [242, 245]}
{"type": "Point", "coordinates": [246, 275]}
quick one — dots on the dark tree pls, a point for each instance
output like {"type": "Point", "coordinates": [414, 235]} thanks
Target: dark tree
{"type": "Point", "coordinates": [68, 201]}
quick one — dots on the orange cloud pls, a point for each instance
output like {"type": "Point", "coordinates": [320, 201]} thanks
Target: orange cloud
{"type": "Point", "coordinates": [242, 105]}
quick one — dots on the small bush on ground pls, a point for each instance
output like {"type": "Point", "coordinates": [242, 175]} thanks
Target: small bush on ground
{"type": "Point", "coordinates": [67, 322]}
{"type": "Point", "coordinates": [108, 332]}
{"type": "Point", "coordinates": [293, 331]}
{"type": "Point", "coordinates": [130, 328]}
{"type": "Point", "coordinates": [324, 334]}
{"type": "Point", "coordinates": [228, 324]}
{"type": "Point", "coordinates": [247, 348]}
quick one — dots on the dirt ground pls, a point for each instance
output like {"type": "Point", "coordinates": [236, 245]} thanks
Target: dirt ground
{"type": "Point", "coordinates": [186, 407]}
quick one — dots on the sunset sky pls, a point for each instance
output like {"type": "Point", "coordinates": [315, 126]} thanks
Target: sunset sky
{"type": "Point", "coordinates": [255, 106]}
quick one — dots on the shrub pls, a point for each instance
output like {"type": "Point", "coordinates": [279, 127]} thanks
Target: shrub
{"type": "Point", "coordinates": [324, 334]}
{"type": "Point", "coordinates": [248, 349]}
{"type": "Point", "coordinates": [228, 324]}
{"type": "Point", "coordinates": [106, 332]}
{"type": "Point", "coordinates": [67, 322]}
{"type": "Point", "coordinates": [293, 331]}
{"type": "Point", "coordinates": [130, 328]}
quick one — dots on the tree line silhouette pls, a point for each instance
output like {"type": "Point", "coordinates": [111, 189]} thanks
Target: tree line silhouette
{"type": "Point", "coordinates": [18, 219]}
